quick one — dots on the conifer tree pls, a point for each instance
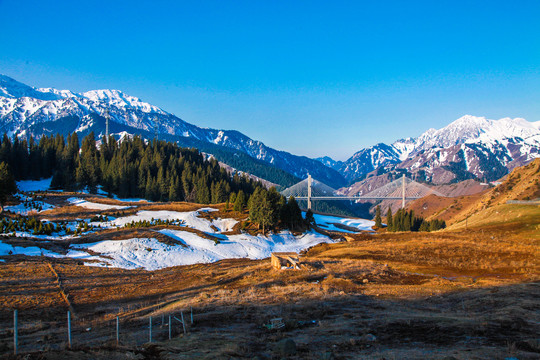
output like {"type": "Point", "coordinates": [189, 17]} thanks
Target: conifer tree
{"type": "Point", "coordinates": [240, 201]}
{"type": "Point", "coordinates": [7, 184]}
{"type": "Point", "coordinates": [294, 213]}
{"type": "Point", "coordinates": [310, 219]}
{"type": "Point", "coordinates": [389, 221]}
{"type": "Point", "coordinates": [378, 220]}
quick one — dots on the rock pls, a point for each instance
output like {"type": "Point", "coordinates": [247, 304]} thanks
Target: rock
{"type": "Point", "coordinates": [329, 355]}
{"type": "Point", "coordinates": [286, 347]}
{"type": "Point", "coordinates": [365, 281]}
{"type": "Point", "coordinates": [534, 344]}
{"type": "Point", "coordinates": [369, 338]}
{"type": "Point", "coordinates": [133, 356]}
{"type": "Point", "coordinates": [258, 357]}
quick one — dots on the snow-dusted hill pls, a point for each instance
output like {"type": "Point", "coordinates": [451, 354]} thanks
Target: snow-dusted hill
{"type": "Point", "coordinates": [469, 147]}
{"type": "Point", "coordinates": [24, 109]}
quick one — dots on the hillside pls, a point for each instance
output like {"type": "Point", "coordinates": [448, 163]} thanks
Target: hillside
{"type": "Point", "coordinates": [394, 295]}
{"type": "Point", "coordinates": [29, 111]}
{"type": "Point", "coordinates": [521, 184]}
{"type": "Point", "coordinates": [470, 147]}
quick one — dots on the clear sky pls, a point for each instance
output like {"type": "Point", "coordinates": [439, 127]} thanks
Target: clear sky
{"type": "Point", "coordinates": [310, 77]}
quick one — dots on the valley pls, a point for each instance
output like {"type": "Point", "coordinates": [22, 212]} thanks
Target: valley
{"type": "Point", "coordinates": [466, 292]}
{"type": "Point", "coordinates": [131, 219]}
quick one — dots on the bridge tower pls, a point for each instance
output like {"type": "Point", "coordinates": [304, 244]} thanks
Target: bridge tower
{"type": "Point", "coordinates": [309, 181]}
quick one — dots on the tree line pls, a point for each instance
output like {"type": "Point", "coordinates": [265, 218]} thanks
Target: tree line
{"type": "Point", "coordinates": [156, 171]}
{"type": "Point", "coordinates": [404, 220]}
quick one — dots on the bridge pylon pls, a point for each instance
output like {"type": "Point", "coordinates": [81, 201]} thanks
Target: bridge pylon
{"type": "Point", "coordinates": [309, 182]}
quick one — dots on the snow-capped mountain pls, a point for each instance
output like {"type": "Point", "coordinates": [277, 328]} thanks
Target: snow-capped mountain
{"type": "Point", "coordinates": [469, 147]}
{"type": "Point", "coordinates": [26, 110]}
{"type": "Point", "coordinates": [369, 159]}
{"type": "Point", "coordinates": [329, 162]}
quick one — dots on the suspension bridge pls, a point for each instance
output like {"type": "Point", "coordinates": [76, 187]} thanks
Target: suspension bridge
{"type": "Point", "coordinates": [401, 189]}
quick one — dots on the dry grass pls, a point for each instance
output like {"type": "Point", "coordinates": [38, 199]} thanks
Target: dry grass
{"type": "Point", "coordinates": [466, 293]}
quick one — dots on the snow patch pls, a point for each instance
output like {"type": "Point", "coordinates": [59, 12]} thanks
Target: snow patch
{"type": "Point", "coordinates": [150, 254]}
{"type": "Point", "coordinates": [327, 222]}
{"type": "Point", "coordinates": [190, 218]}
{"type": "Point", "coordinates": [34, 185]}
{"type": "Point", "coordinates": [94, 206]}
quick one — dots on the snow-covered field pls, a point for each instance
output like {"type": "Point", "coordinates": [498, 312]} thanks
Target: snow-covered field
{"type": "Point", "coordinates": [6, 249]}
{"type": "Point", "coordinates": [28, 205]}
{"type": "Point", "coordinates": [34, 185]}
{"type": "Point", "coordinates": [94, 206]}
{"type": "Point", "coordinates": [150, 254]}
{"type": "Point", "coordinates": [327, 222]}
{"type": "Point", "coordinates": [190, 218]}
{"type": "Point", "coordinates": [22, 209]}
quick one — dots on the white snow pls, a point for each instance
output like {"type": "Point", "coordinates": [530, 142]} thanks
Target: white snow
{"type": "Point", "coordinates": [7, 249]}
{"type": "Point", "coordinates": [327, 222]}
{"type": "Point", "coordinates": [151, 254]}
{"type": "Point", "coordinates": [94, 206]}
{"type": "Point", "coordinates": [131, 199]}
{"type": "Point", "coordinates": [224, 225]}
{"type": "Point", "coordinates": [25, 210]}
{"type": "Point", "coordinates": [190, 218]}
{"type": "Point", "coordinates": [34, 185]}
{"type": "Point", "coordinates": [28, 205]}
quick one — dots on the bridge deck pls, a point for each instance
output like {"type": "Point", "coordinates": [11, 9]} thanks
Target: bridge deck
{"type": "Point", "coordinates": [354, 198]}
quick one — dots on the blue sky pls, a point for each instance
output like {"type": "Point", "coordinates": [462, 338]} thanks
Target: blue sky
{"type": "Point", "coordinates": [310, 77]}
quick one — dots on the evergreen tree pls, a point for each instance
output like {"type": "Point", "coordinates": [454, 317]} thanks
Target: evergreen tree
{"type": "Point", "coordinates": [378, 220]}
{"type": "Point", "coordinates": [7, 184]}
{"type": "Point", "coordinates": [310, 219]}
{"type": "Point", "coordinates": [240, 201]}
{"type": "Point", "coordinates": [389, 221]}
{"type": "Point", "coordinates": [294, 214]}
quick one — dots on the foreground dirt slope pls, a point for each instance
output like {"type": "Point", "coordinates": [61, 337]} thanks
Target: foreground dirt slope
{"type": "Point", "coordinates": [469, 292]}
{"type": "Point", "coordinates": [459, 294]}
{"type": "Point", "coordinates": [522, 183]}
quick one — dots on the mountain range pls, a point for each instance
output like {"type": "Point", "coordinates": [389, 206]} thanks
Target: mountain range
{"type": "Point", "coordinates": [27, 110]}
{"type": "Point", "coordinates": [469, 148]}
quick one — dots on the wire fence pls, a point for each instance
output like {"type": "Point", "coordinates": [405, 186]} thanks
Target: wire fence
{"type": "Point", "coordinates": [30, 334]}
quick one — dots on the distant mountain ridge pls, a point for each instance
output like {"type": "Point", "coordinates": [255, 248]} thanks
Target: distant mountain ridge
{"type": "Point", "coordinates": [27, 110]}
{"type": "Point", "coordinates": [470, 147]}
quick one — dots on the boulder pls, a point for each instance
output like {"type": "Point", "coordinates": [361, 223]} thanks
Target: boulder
{"type": "Point", "coordinates": [286, 347]}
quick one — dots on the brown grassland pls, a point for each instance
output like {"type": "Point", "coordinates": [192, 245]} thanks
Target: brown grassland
{"type": "Point", "coordinates": [468, 292]}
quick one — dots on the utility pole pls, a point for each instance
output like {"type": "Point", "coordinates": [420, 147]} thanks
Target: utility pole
{"type": "Point", "coordinates": [403, 193]}
{"type": "Point", "coordinates": [107, 126]}
{"type": "Point", "coordinates": [156, 128]}
{"type": "Point", "coordinates": [309, 180]}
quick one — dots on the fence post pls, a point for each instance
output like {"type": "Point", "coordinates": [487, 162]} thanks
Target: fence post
{"type": "Point", "coordinates": [170, 324]}
{"type": "Point", "coordinates": [117, 330]}
{"type": "Point", "coordinates": [69, 328]}
{"type": "Point", "coordinates": [183, 323]}
{"type": "Point", "coordinates": [191, 308]}
{"type": "Point", "coordinates": [15, 331]}
{"type": "Point", "coordinates": [150, 328]}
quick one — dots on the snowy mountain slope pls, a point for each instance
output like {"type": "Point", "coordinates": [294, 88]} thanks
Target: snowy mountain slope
{"type": "Point", "coordinates": [368, 159]}
{"type": "Point", "coordinates": [469, 147]}
{"type": "Point", "coordinates": [25, 109]}
{"type": "Point", "coordinates": [329, 162]}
